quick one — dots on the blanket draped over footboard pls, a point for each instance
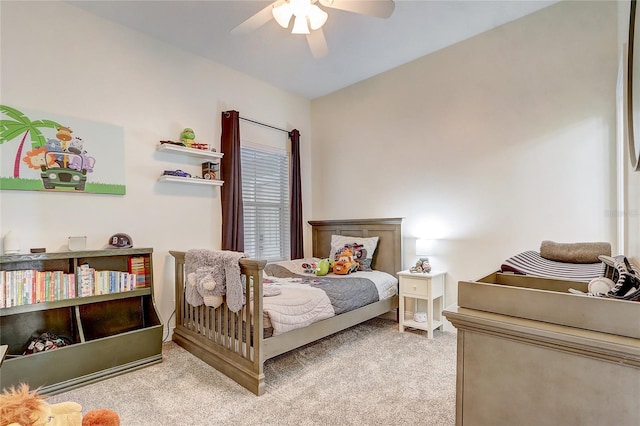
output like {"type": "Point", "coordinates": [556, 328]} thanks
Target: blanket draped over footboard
{"type": "Point", "coordinates": [211, 275]}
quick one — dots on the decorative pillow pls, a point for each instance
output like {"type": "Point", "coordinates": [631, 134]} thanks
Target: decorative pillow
{"type": "Point", "coordinates": [362, 247]}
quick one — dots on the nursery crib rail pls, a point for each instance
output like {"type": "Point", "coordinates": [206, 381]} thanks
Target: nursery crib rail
{"type": "Point", "coordinates": [232, 342]}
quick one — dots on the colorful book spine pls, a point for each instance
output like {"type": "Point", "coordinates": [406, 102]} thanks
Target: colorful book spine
{"type": "Point", "coordinates": [3, 293]}
{"type": "Point", "coordinates": [23, 287]}
{"type": "Point", "coordinates": [72, 286]}
{"type": "Point", "coordinates": [8, 300]}
{"type": "Point", "coordinates": [141, 267]}
{"type": "Point", "coordinates": [19, 296]}
{"type": "Point", "coordinates": [85, 280]}
{"type": "Point", "coordinates": [40, 286]}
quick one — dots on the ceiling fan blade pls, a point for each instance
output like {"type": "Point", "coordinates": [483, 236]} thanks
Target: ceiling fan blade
{"type": "Point", "coordinates": [378, 8]}
{"type": "Point", "coordinates": [257, 20]}
{"type": "Point", "coordinates": [318, 44]}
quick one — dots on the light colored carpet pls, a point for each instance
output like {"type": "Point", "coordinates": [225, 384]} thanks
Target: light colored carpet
{"type": "Point", "coordinates": [369, 374]}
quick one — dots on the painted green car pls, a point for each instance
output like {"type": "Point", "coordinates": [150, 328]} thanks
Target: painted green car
{"type": "Point", "coordinates": [63, 177]}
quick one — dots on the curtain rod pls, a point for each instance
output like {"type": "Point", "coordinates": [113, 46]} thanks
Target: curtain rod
{"type": "Point", "coordinates": [265, 125]}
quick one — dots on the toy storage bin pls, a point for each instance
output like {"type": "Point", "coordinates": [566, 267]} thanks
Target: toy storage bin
{"type": "Point", "coordinates": [18, 329]}
{"type": "Point", "coordinates": [548, 300]}
{"type": "Point", "coordinates": [530, 353]}
{"type": "Point", "coordinates": [133, 314]}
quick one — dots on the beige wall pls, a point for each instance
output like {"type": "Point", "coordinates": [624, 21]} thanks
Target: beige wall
{"type": "Point", "coordinates": [85, 67]}
{"type": "Point", "coordinates": [628, 211]}
{"type": "Point", "coordinates": [493, 144]}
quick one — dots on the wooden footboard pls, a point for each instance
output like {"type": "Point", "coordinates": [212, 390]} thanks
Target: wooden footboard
{"type": "Point", "coordinates": [224, 339]}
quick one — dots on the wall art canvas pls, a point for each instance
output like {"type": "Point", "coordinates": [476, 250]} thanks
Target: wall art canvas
{"type": "Point", "coordinates": [41, 151]}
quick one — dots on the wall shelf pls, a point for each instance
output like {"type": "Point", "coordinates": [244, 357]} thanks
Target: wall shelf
{"type": "Point", "coordinates": [200, 181]}
{"type": "Point", "coordinates": [166, 147]}
{"type": "Point", "coordinates": [209, 156]}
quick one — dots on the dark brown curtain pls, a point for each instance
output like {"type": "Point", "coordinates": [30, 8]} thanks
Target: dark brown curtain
{"type": "Point", "coordinates": [296, 197]}
{"type": "Point", "coordinates": [231, 174]}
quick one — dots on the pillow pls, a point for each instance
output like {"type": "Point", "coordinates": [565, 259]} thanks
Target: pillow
{"type": "Point", "coordinates": [574, 252]}
{"type": "Point", "coordinates": [362, 247]}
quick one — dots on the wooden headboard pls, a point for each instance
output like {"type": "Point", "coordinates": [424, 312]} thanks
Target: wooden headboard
{"type": "Point", "coordinates": [388, 255]}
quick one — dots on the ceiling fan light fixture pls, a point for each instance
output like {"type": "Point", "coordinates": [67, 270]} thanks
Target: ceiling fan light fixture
{"type": "Point", "coordinates": [282, 14]}
{"type": "Point", "coordinates": [300, 25]}
{"type": "Point", "coordinates": [317, 17]}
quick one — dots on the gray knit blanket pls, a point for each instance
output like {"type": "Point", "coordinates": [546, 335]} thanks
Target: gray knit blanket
{"type": "Point", "coordinates": [211, 275]}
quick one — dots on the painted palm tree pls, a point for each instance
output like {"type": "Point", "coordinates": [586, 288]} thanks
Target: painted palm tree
{"type": "Point", "coordinates": [16, 125]}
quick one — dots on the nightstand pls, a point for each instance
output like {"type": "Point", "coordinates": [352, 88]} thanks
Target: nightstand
{"type": "Point", "coordinates": [419, 286]}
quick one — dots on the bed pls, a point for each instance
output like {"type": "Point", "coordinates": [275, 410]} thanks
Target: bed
{"type": "Point", "coordinates": [234, 342]}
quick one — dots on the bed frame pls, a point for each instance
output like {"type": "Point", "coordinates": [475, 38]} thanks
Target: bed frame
{"type": "Point", "coordinates": [218, 335]}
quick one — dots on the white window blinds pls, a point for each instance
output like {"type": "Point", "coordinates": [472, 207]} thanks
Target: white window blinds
{"type": "Point", "coordinates": [265, 195]}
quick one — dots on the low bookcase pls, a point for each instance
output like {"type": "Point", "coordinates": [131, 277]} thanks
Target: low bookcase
{"type": "Point", "coordinates": [110, 333]}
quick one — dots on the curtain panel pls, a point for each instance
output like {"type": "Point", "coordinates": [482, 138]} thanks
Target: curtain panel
{"type": "Point", "coordinates": [297, 247]}
{"type": "Point", "coordinates": [231, 191]}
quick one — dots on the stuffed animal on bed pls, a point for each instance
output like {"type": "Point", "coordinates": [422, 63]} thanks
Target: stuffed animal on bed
{"type": "Point", "coordinates": [345, 263]}
{"type": "Point", "coordinates": [309, 268]}
{"type": "Point", "coordinates": [20, 407]}
{"type": "Point", "coordinates": [323, 268]}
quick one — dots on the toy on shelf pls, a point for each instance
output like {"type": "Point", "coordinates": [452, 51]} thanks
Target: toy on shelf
{"type": "Point", "coordinates": [187, 137]}
{"type": "Point", "coordinates": [172, 143]}
{"type": "Point", "coordinates": [209, 170]}
{"type": "Point", "coordinates": [422, 266]}
{"type": "Point", "coordinates": [178, 173]}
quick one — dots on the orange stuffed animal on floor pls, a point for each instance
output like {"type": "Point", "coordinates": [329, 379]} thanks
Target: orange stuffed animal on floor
{"type": "Point", "coordinates": [21, 407]}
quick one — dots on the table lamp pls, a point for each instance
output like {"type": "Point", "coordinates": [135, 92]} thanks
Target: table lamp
{"type": "Point", "coordinates": [424, 248]}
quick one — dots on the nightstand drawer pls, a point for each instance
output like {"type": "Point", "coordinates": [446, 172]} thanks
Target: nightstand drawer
{"type": "Point", "coordinates": [414, 286]}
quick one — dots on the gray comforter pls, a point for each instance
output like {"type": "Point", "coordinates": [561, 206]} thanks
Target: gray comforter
{"type": "Point", "coordinates": [345, 293]}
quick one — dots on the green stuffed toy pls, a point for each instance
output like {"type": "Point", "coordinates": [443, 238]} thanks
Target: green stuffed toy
{"type": "Point", "coordinates": [187, 137]}
{"type": "Point", "coordinates": [322, 268]}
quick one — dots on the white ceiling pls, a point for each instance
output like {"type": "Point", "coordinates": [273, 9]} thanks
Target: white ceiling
{"type": "Point", "coordinates": [359, 46]}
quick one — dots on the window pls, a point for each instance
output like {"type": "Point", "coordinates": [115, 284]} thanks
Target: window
{"type": "Point", "coordinates": [265, 196]}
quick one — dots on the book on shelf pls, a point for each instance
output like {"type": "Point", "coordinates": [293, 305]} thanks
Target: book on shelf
{"type": "Point", "coordinates": [2, 290]}
{"type": "Point", "coordinates": [141, 267]}
{"type": "Point", "coordinates": [86, 280]}
{"type": "Point", "coordinates": [29, 286]}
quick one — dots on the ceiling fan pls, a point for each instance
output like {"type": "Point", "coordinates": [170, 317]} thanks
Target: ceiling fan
{"type": "Point", "coordinates": [308, 17]}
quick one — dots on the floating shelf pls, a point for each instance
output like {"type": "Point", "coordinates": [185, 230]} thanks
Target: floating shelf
{"type": "Point", "coordinates": [167, 147]}
{"type": "Point", "coordinates": [167, 178]}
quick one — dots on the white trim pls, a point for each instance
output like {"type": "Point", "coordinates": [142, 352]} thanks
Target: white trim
{"type": "Point", "coordinates": [262, 147]}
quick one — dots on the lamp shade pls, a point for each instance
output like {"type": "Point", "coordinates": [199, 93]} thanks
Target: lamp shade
{"type": "Point", "coordinates": [306, 15]}
{"type": "Point", "coordinates": [300, 25]}
{"type": "Point", "coordinates": [317, 17]}
{"type": "Point", "coordinates": [282, 14]}
{"type": "Point", "coordinates": [425, 247]}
